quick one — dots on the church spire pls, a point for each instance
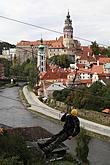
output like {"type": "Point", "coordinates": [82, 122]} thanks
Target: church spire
{"type": "Point", "coordinates": [68, 32]}
{"type": "Point", "coordinates": [68, 15]}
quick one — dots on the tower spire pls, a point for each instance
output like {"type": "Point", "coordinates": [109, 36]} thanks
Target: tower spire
{"type": "Point", "coordinates": [68, 15]}
{"type": "Point", "coordinates": [68, 32]}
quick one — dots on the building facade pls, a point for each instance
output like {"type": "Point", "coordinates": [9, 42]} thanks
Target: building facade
{"type": "Point", "coordinates": [63, 45]}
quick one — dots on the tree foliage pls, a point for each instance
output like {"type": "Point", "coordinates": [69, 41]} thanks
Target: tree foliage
{"type": "Point", "coordinates": [61, 60]}
{"type": "Point", "coordinates": [13, 148]}
{"type": "Point", "coordinates": [82, 148]}
{"type": "Point", "coordinates": [6, 46]}
{"type": "Point", "coordinates": [95, 48]}
{"type": "Point", "coordinates": [96, 97]}
{"type": "Point", "coordinates": [7, 64]}
{"type": "Point", "coordinates": [27, 71]}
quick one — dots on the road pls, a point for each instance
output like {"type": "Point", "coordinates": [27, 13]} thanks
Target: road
{"type": "Point", "coordinates": [14, 114]}
{"type": "Point", "coordinates": [38, 106]}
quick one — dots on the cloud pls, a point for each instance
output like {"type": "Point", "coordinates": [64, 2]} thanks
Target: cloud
{"type": "Point", "coordinates": [90, 19]}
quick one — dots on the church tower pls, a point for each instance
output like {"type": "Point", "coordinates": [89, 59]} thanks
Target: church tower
{"type": "Point", "coordinates": [68, 33]}
{"type": "Point", "coordinates": [41, 60]}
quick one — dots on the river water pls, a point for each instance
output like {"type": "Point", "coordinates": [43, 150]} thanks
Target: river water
{"type": "Point", "coordinates": [14, 114]}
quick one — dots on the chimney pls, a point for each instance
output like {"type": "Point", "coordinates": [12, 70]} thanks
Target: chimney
{"type": "Point", "coordinates": [97, 62]}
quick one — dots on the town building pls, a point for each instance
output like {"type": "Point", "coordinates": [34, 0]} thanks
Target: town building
{"type": "Point", "coordinates": [41, 59]}
{"type": "Point", "coordinates": [65, 44]}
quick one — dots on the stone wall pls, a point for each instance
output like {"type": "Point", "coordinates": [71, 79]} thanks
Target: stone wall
{"type": "Point", "coordinates": [99, 117]}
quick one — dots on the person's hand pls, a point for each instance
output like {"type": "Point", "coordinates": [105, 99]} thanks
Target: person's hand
{"type": "Point", "coordinates": [65, 111]}
{"type": "Point", "coordinates": [70, 137]}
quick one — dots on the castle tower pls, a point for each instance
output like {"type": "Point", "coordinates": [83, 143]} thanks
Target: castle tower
{"type": "Point", "coordinates": [68, 33]}
{"type": "Point", "coordinates": [41, 60]}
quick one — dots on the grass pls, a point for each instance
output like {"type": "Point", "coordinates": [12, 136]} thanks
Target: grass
{"type": "Point", "coordinates": [23, 99]}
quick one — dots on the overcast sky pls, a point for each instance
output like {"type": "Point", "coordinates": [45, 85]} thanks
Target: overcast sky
{"type": "Point", "coordinates": [90, 19]}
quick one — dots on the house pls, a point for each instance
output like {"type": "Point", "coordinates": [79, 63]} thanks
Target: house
{"type": "Point", "coordinates": [107, 67]}
{"type": "Point", "coordinates": [53, 87]}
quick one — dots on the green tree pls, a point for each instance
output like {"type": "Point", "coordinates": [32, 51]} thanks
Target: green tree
{"type": "Point", "coordinates": [82, 148]}
{"type": "Point", "coordinates": [6, 46]}
{"type": "Point", "coordinates": [7, 65]}
{"type": "Point", "coordinates": [97, 88]}
{"type": "Point", "coordinates": [95, 48]}
{"type": "Point", "coordinates": [108, 52]}
{"type": "Point", "coordinates": [13, 147]}
{"type": "Point", "coordinates": [61, 60]}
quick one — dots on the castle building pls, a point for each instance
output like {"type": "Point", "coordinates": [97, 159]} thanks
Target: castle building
{"type": "Point", "coordinates": [63, 45]}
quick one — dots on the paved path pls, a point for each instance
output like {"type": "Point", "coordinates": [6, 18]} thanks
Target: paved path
{"type": "Point", "coordinates": [38, 106]}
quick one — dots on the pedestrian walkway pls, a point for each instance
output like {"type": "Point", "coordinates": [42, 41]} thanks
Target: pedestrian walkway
{"type": "Point", "coordinates": [38, 106]}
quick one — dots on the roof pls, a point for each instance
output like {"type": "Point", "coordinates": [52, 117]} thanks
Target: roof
{"type": "Point", "coordinates": [86, 81]}
{"type": "Point", "coordinates": [103, 60]}
{"type": "Point", "coordinates": [88, 57]}
{"type": "Point", "coordinates": [56, 86]}
{"type": "Point", "coordinates": [86, 49]}
{"type": "Point", "coordinates": [41, 46]}
{"type": "Point", "coordinates": [55, 74]}
{"type": "Point", "coordinates": [83, 70]}
{"type": "Point", "coordinates": [97, 69]}
{"type": "Point", "coordinates": [106, 110]}
{"type": "Point", "coordinates": [58, 43]}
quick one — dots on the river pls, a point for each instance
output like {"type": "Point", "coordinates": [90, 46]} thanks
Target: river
{"type": "Point", "coordinates": [14, 114]}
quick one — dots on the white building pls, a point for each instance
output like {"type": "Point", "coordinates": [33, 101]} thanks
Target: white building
{"type": "Point", "coordinates": [41, 60]}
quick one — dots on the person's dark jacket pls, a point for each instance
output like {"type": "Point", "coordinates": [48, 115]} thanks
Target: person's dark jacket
{"type": "Point", "coordinates": [72, 124]}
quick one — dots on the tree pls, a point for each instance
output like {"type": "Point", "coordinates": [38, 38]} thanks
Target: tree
{"type": "Point", "coordinates": [7, 65]}
{"type": "Point", "coordinates": [61, 60]}
{"type": "Point", "coordinates": [108, 52]}
{"type": "Point", "coordinates": [97, 88]}
{"type": "Point", "coordinates": [6, 46]}
{"type": "Point", "coordinates": [13, 148]}
{"type": "Point", "coordinates": [82, 148]}
{"type": "Point", "coordinates": [95, 48]}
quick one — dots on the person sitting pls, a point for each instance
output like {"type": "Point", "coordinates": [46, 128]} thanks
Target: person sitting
{"type": "Point", "coordinates": [70, 129]}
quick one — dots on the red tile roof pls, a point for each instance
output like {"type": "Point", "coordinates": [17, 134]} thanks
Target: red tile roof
{"type": "Point", "coordinates": [103, 60]}
{"type": "Point", "coordinates": [80, 65]}
{"type": "Point", "coordinates": [55, 74]}
{"type": "Point", "coordinates": [83, 70]}
{"type": "Point", "coordinates": [106, 110]}
{"type": "Point", "coordinates": [86, 81]}
{"type": "Point", "coordinates": [86, 49]}
{"type": "Point", "coordinates": [58, 43]}
{"type": "Point", "coordinates": [97, 69]}
{"type": "Point", "coordinates": [87, 57]}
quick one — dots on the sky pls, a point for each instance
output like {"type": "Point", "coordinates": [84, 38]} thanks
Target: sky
{"type": "Point", "coordinates": [90, 19]}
